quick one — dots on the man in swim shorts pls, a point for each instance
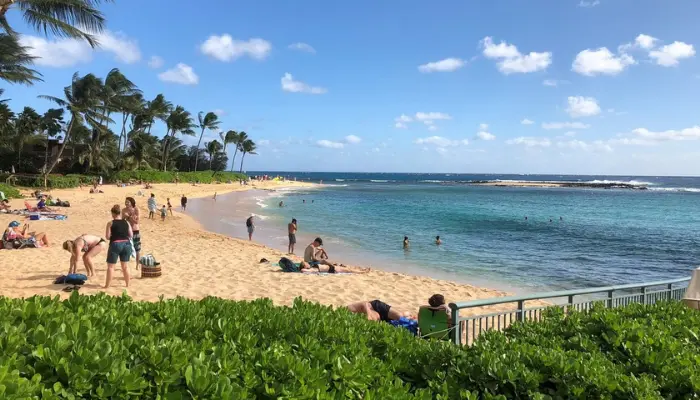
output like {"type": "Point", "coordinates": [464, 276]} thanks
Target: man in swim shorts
{"type": "Point", "coordinates": [314, 255]}
{"type": "Point", "coordinates": [292, 230]}
{"type": "Point", "coordinates": [375, 310]}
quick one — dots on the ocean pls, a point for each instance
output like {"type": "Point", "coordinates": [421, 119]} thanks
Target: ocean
{"type": "Point", "coordinates": [571, 238]}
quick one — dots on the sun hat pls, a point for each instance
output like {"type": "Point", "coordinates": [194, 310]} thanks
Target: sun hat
{"type": "Point", "coordinates": [14, 224]}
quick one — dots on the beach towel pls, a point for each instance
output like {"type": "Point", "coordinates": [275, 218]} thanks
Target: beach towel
{"type": "Point", "coordinates": [410, 324]}
{"type": "Point", "coordinates": [692, 294]}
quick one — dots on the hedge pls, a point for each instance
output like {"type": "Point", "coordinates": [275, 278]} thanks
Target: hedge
{"type": "Point", "coordinates": [53, 181]}
{"type": "Point", "coordinates": [169, 177]}
{"type": "Point", "coordinates": [112, 347]}
{"type": "Point", "coordinates": [10, 192]}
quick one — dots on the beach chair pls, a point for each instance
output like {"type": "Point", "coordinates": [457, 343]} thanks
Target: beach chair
{"type": "Point", "coordinates": [29, 207]}
{"type": "Point", "coordinates": [434, 324]}
{"type": "Point", "coordinates": [28, 242]}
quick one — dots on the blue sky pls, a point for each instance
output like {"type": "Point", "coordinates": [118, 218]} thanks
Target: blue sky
{"type": "Point", "coordinates": [609, 86]}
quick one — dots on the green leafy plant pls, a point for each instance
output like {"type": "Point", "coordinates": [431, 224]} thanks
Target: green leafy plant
{"type": "Point", "coordinates": [10, 191]}
{"type": "Point", "coordinates": [170, 177]}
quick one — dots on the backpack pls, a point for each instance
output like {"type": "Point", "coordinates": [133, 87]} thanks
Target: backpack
{"type": "Point", "coordinates": [71, 279]}
{"type": "Point", "coordinates": [287, 265]}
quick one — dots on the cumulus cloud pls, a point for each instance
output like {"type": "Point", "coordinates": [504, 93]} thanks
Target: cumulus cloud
{"type": "Point", "coordinates": [352, 139]}
{"type": "Point", "coordinates": [483, 135]}
{"type": "Point", "coordinates": [671, 54]}
{"type": "Point", "coordinates": [692, 133]}
{"type": "Point", "coordinates": [303, 47]}
{"type": "Point", "coordinates": [181, 73]}
{"type": "Point", "coordinates": [431, 116]}
{"type": "Point", "coordinates": [155, 62]}
{"type": "Point", "coordinates": [440, 141]}
{"type": "Point", "coordinates": [427, 118]}
{"type": "Point", "coordinates": [446, 65]}
{"type": "Point", "coordinates": [329, 144]}
{"type": "Point", "coordinates": [589, 3]}
{"type": "Point", "coordinates": [601, 62]}
{"type": "Point", "coordinates": [564, 125]}
{"type": "Point", "coordinates": [510, 60]}
{"type": "Point", "coordinates": [289, 84]}
{"type": "Point", "coordinates": [226, 48]}
{"type": "Point", "coordinates": [69, 52]}
{"type": "Point", "coordinates": [580, 106]}
{"type": "Point", "coordinates": [597, 145]}
{"type": "Point", "coordinates": [530, 142]}
{"type": "Point", "coordinates": [527, 122]}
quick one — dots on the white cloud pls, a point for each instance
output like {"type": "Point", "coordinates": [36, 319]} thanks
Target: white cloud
{"type": "Point", "coordinates": [182, 74]}
{"type": "Point", "coordinates": [597, 145]}
{"type": "Point", "coordinates": [70, 52]}
{"type": "Point", "coordinates": [564, 125]}
{"type": "Point", "coordinates": [570, 134]}
{"type": "Point", "coordinates": [510, 60]}
{"type": "Point", "coordinates": [580, 106]}
{"type": "Point", "coordinates": [329, 145]}
{"type": "Point", "coordinates": [155, 62]}
{"type": "Point", "coordinates": [294, 86]}
{"type": "Point", "coordinates": [305, 47]}
{"type": "Point", "coordinates": [483, 135]}
{"type": "Point", "coordinates": [430, 116]}
{"type": "Point", "coordinates": [432, 128]}
{"type": "Point", "coordinates": [589, 3]}
{"type": "Point", "coordinates": [400, 125]}
{"type": "Point", "coordinates": [403, 118]}
{"type": "Point", "coordinates": [483, 127]}
{"type": "Point", "coordinates": [441, 150]}
{"type": "Point", "coordinates": [440, 141]}
{"type": "Point", "coordinates": [226, 48]}
{"type": "Point", "coordinates": [692, 133]}
{"type": "Point", "coordinates": [645, 41]}
{"type": "Point", "coordinates": [263, 142]}
{"type": "Point", "coordinates": [352, 139]}
{"type": "Point", "coordinates": [446, 65]}
{"type": "Point", "coordinates": [601, 62]}
{"type": "Point", "coordinates": [671, 54]}
{"type": "Point", "coordinates": [527, 122]}
{"type": "Point", "coordinates": [530, 142]}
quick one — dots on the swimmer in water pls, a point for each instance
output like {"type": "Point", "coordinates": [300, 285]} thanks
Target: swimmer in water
{"type": "Point", "coordinates": [406, 242]}
{"type": "Point", "coordinates": [438, 241]}
{"type": "Point", "coordinates": [281, 204]}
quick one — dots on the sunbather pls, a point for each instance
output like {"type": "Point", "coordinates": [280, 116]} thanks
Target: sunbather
{"type": "Point", "coordinates": [5, 206]}
{"type": "Point", "coordinates": [91, 245]}
{"type": "Point", "coordinates": [41, 205]}
{"type": "Point", "coordinates": [13, 233]}
{"type": "Point", "coordinates": [377, 310]}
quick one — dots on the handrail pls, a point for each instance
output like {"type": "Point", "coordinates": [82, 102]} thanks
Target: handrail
{"type": "Point", "coordinates": [549, 295]}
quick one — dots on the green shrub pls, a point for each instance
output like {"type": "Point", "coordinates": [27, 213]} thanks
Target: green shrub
{"type": "Point", "coordinates": [111, 347]}
{"type": "Point", "coordinates": [169, 177]}
{"type": "Point", "coordinates": [10, 191]}
{"type": "Point", "coordinates": [53, 181]}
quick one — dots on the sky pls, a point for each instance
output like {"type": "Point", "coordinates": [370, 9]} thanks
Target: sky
{"type": "Point", "coordinates": [499, 86]}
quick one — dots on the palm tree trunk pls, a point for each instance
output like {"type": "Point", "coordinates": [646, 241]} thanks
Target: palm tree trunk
{"type": "Point", "coordinates": [166, 151]}
{"type": "Point", "coordinates": [211, 161]}
{"type": "Point", "coordinates": [196, 157]}
{"type": "Point", "coordinates": [242, 158]}
{"type": "Point", "coordinates": [46, 153]}
{"type": "Point", "coordinates": [60, 151]}
{"type": "Point", "coordinates": [233, 162]}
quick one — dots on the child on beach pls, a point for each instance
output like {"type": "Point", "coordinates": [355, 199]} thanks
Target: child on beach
{"type": "Point", "coordinates": [170, 207]}
{"type": "Point", "coordinates": [163, 213]}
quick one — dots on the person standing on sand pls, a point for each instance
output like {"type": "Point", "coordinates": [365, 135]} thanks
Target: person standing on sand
{"type": "Point", "coordinates": [163, 213]}
{"type": "Point", "coordinates": [119, 233]}
{"type": "Point", "coordinates": [250, 225]}
{"type": "Point", "coordinates": [292, 230]}
{"type": "Point", "coordinates": [170, 207]}
{"type": "Point", "coordinates": [214, 196]}
{"type": "Point", "coordinates": [130, 213]}
{"type": "Point", "coordinates": [183, 202]}
{"type": "Point", "coordinates": [152, 207]}
{"type": "Point", "coordinates": [91, 245]}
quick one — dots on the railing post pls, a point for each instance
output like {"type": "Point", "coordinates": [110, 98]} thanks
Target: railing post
{"type": "Point", "coordinates": [610, 298]}
{"type": "Point", "coordinates": [644, 295]}
{"type": "Point", "coordinates": [670, 291]}
{"type": "Point", "coordinates": [457, 325]}
{"type": "Point", "coordinates": [520, 315]}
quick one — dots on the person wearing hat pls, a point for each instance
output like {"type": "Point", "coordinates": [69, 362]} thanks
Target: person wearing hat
{"type": "Point", "coordinates": [13, 233]}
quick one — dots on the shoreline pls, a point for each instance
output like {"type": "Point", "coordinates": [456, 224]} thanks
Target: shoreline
{"type": "Point", "coordinates": [197, 263]}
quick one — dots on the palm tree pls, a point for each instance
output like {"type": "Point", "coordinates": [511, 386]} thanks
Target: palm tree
{"type": "Point", "coordinates": [82, 100]}
{"type": "Point", "coordinates": [51, 124]}
{"type": "Point", "coordinates": [142, 150]}
{"type": "Point", "coordinates": [209, 121]}
{"type": "Point", "coordinates": [119, 95]}
{"type": "Point", "coordinates": [158, 108]}
{"type": "Point", "coordinates": [212, 148]}
{"type": "Point", "coordinates": [77, 19]}
{"type": "Point", "coordinates": [247, 147]}
{"type": "Point", "coordinates": [179, 121]}
{"type": "Point", "coordinates": [228, 138]}
{"type": "Point", "coordinates": [241, 137]}
{"type": "Point", "coordinates": [27, 124]}
{"type": "Point", "coordinates": [14, 59]}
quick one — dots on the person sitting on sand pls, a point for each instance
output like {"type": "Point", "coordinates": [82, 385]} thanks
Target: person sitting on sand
{"type": "Point", "coordinates": [5, 206]}
{"type": "Point", "coordinates": [315, 255]}
{"type": "Point", "coordinates": [377, 310]}
{"type": "Point", "coordinates": [12, 233]}
{"type": "Point", "coordinates": [91, 245]}
{"type": "Point", "coordinates": [41, 205]}
{"type": "Point", "coordinates": [436, 303]}
{"type": "Point", "coordinates": [119, 233]}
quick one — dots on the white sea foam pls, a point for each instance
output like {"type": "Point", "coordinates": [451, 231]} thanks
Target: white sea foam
{"type": "Point", "coordinates": [630, 182]}
{"type": "Point", "coordinates": [674, 189]}
{"type": "Point", "coordinates": [260, 216]}
{"type": "Point", "coordinates": [378, 181]}
{"type": "Point", "coordinates": [431, 181]}
{"type": "Point", "coordinates": [340, 180]}
{"type": "Point", "coordinates": [260, 202]}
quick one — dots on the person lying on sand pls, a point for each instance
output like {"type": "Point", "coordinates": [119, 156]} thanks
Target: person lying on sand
{"type": "Point", "coordinates": [91, 245]}
{"type": "Point", "coordinates": [13, 233]}
{"type": "Point", "coordinates": [377, 310]}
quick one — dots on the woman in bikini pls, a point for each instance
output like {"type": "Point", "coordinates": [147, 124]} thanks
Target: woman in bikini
{"type": "Point", "coordinates": [90, 245]}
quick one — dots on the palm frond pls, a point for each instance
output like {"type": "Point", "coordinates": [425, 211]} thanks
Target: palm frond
{"type": "Point", "coordinates": [62, 17]}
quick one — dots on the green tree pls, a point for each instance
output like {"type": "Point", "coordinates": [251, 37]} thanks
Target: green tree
{"type": "Point", "coordinates": [212, 148]}
{"type": "Point", "coordinates": [83, 103]}
{"type": "Point", "coordinates": [247, 147]}
{"type": "Point", "coordinates": [142, 151]}
{"type": "Point", "coordinates": [27, 124]}
{"type": "Point", "coordinates": [120, 95]}
{"type": "Point", "coordinates": [240, 138]}
{"type": "Point", "coordinates": [179, 121]}
{"type": "Point", "coordinates": [14, 61]}
{"type": "Point", "coordinates": [209, 121]}
{"type": "Point", "coordinates": [227, 138]}
{"type": "Point", "coordinates": [51, 125]}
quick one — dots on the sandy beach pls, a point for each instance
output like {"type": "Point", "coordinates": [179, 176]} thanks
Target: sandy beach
{"type": "Point", "coordinates": [197, 263]}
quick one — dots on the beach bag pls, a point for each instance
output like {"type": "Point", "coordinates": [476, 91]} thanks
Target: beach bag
{"type": "Point", "coordinates": [150, 268]}
{"type": "Point", "coordinates": [287, 265]}
{"type": "Point", "coordinates": [71, 279]}
{"type": "Point", "coordinates": [406, 323]}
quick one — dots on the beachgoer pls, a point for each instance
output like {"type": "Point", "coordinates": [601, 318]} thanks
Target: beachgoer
{"type": "Point", "coordinates": [375, 310]}
{"type": "Point", "coordinates": [561, 218]}
{"type": "Point", "coordinates": [90, 245]}
{"type": "Point", "coordinates": [5, 206]}
{"type": "Point", "coordinates": [250, 225]}
{"type": "Point", "coordinates": [131, 214]}
{"type": "Point", "coordinates": [437, 240]}
{"type": "Point", "coordinates": [152, 207]}
{"type": "Point", "coordinates": [406, 242]}
{"type": "Point", "coordinates": [315, 255]}
{"type": "Point", "coordinates": [281, 203]}
{"type": "Point", "coordinates": [183, 202]}
{"type": "Point", "coordinates": [437, 303]}
{"type": "Point", "coordinates": [170, 207]}
{"type": "Point", "coordinates": [41, 205]}
{"type": "Point", "coordinates": [214, 196]}
{"type": "Point", "coordinates": [100, 180]}
{"type": "Point", "coordinates": [12, 234]}
{"type": "Point", "coordinates": [304, 201]}
{"type": "Point", "coordinates": [163, 213]}
{"type": "Point", "coordinates": [292, 230]}
{"type": "Point", "coordinates": [119, 234]}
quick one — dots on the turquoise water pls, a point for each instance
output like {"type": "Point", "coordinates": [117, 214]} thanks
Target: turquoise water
{"type": "Point", "coordinates": [604, 237]}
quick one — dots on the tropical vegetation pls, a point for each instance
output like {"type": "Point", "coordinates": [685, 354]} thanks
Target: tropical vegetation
{"type": "Point", "coordinates": [112, 347]}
